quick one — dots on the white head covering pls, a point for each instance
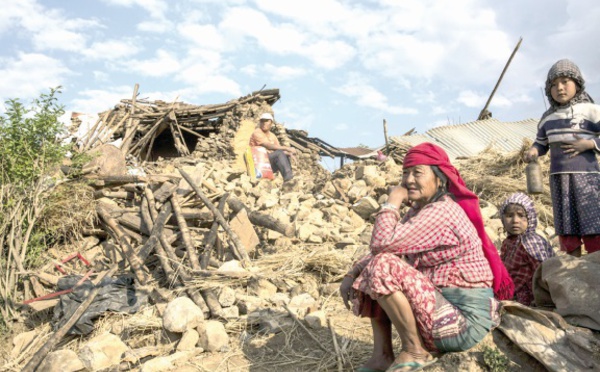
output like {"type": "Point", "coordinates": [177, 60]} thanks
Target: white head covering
{"type": "Point", "coordinates": [267, 116]}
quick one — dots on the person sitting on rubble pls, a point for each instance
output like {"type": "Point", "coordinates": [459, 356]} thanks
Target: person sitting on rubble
{"type": "Point", "coordinates": [523, 250]}
{"type": "Point", "coordinates": [433, 273]}
{"type": "Point", "coordinates": [279, 156]}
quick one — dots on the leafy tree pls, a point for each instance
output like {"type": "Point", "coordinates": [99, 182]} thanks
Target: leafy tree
{"type": "Point", "coordinates": [30, 148]}
{"type": "Point", "coordinates": [29, 138]}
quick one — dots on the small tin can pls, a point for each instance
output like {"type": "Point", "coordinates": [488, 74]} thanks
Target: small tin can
{"type": "Point", "coordinates": [533, 174]}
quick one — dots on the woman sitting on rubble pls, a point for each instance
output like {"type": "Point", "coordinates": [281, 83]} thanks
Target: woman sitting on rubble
{"type": "Point", "coordinates": [431, 274]}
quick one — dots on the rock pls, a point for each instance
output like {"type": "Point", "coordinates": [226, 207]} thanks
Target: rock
{"type": "Point", "coordinates": [335, 210]}
{"type": "Point", "coordinates": [389, 165]}
{"type": "Point", "coordinates": [316, 218]}
{"type": "Point", "coordinates": [303, 213]}
{"type": "Point", "coordinates": [232, 266]}
{"type": "Point", "coordinates": [354, 219]}
{"type": "Point", "coordinates": [365, 207]}
{"type": "Point", "coordinates": [488, 210]}
{"type": "Point", "coordinates": [376, 182]}
{"type": "Point", "coordinates": [21, 341]}
{"type": "Point", "coordinates": [330, 289]}
{"type": "Point", "coordinates": [267, 201]}
{"type": "Point", "coordinates": [107, 161]}
{"type": "Point", "coordinates": [61, 361]}
{"type": "Point", "coordinates": [270, 320]}
{"type": "Point", "coordinates": [213, 336]}
{"type": "Point", "coordinates": [226, 296]}
{"type": "Point", "coordinates": [308, 284]}
{"type": "Point", "coordinates": [273, 235]}
{"type": "Point", "coordinates": [365, 236]}
{"type": "Point", "coordinates": [169, 362]}
{"type": "Point", "coordinates": [102, 352]}
{"type": "Point", "coordinates": [188, 341]}
{"type": "Point", "coordinates": [231, 312]}
{"type": "Point", "coordinates": [383, 199]}
{"type": "Point", "coordinates": [262, 288]}
{"type": "Point", "coordinates": [316, 319]}
{"type": "Point", "coordinates": [248, 304]}
{"type": "Point", "coordinates": [305, 231]}
{"type": "Point", "coordinates": [358, 190]}
{"type": "Point", "coordinates": [279, 299]}
{"type": "Point", "coordinates": [282, 241]}
{"type": "Point", "coordinates": [182, 314]}
{"type": "Point", "coordinates": [366, 170]}
{"type": "Point", "coordinates": [316, 238]}
{"type": "Point", "coordinates": [302, 304]}
{"type": "Point", "coordinates": [244, 229]}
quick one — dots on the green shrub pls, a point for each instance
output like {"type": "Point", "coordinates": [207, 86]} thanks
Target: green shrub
{"type": "Point", "coordinates": [495, 360]}
{"type": "Point", "coordinates": [29, 138]}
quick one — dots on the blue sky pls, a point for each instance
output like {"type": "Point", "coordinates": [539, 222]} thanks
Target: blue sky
{"type": "Point", "coordinates": [341, 66]}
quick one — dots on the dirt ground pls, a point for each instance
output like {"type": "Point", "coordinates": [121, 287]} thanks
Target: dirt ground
{"type": "Point", "coordinates": [300, 349]}
{"type": "Point", "coordinates": [295, 350]}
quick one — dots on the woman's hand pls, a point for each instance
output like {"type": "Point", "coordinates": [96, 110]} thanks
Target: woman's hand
{"type": "Point", "coordinates": [531, 155]}
{"type": "Point", "coordinates": [577, 147]}
{"type": "Point", "coordinates": [346, 291]}
{"type": "Point", "coordinates": [398, 196]}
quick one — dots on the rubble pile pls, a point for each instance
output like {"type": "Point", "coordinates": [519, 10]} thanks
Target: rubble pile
{"type": "Point", "coordinates": [217, 259]}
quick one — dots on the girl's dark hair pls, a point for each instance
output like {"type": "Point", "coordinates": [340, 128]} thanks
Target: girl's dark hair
{"type": "Point", "coordinates": [443, 189]}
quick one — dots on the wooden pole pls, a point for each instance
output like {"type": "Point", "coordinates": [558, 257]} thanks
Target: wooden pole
{"type": "Point", "coordinates": [185, 232]}
{"type": "Point", "coordinates": [130, 128]}
{"type": "Point", "coordinates": [211, 237]}
{"type": "Point", "coordinates": [385, 132]}
{"type": "Point", "coordinates": [485, 114]}
{"type": "Point", "coordinates": [238, 245]}
{"type": "Point", "coordinates": [39, 355]}
{"type": "Point", "coordinates": [137, 265]}
{"type": "Point", "coordinates": [261, 219]}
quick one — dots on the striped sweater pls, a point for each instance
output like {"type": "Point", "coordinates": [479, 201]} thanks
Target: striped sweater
{"type": "Point", "coordinates": [568, 124]}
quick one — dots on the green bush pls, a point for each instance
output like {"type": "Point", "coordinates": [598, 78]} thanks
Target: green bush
{"type": "Point", "coordinates": [29, 138]}
{"type": "Point", "coordinates": [495, 360]}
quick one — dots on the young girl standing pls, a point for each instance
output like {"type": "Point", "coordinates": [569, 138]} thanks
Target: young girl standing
{"type": "Point", "coordinates": [523, 250]}
{"type": "Point", "coordinates": [569, 130]}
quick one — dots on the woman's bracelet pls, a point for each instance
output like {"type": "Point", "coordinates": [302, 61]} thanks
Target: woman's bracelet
{"type": "Point", "coordinates": [389, 206]}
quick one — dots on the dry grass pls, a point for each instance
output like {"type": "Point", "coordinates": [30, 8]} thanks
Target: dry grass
{"type": "Point", "coordinates": [494, 175]}
{"type": "Point", "coordinates": [70, 208]}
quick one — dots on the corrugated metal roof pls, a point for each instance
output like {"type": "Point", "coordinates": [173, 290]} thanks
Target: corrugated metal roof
{"type": "Point", "coordinates": [357, 151]}
{"type": "Point", "coordinates": [470, 139]}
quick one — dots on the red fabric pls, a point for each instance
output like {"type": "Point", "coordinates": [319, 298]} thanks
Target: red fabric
{"type": "Point", "coordinates": [521, 267]}
{"type": "Point", "coordinates": [429, 154]}
{"type": "Point", "coordinates": [569, 243]}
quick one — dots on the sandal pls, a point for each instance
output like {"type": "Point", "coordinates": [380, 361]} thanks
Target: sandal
{"type": "Point", "coordinates": [414, 366]}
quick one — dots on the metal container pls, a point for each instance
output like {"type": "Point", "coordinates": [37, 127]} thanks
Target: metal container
{"type": "Point", "coordinates": [533, 173]}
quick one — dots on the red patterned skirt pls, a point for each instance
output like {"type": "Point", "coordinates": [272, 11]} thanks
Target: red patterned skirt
{"type": "Point", "coordinates": [437, 319]}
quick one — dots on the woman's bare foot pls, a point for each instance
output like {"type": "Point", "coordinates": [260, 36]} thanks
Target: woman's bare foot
{"type": "Point", "coordinates": [379, 361]}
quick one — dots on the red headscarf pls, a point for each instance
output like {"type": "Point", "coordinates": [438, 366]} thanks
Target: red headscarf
{"type": "Point", "coordinates": [430, 154]}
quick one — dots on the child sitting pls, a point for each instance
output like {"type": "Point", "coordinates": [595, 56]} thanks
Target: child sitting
{"type": "Point", "coordinates": [523, 250]}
